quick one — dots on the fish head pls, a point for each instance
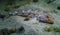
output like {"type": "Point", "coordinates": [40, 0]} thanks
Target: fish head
{"type": "Point", "coordinates": [45, 18]}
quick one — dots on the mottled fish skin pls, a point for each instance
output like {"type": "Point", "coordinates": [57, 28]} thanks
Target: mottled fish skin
{"type": "Point", "coordinates": [40, 15]}
{"type": "Point", "coordinates": [30, 13]}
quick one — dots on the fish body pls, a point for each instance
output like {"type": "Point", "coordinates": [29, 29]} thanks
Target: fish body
{"type": "Point", "coordinates": [40, 15]}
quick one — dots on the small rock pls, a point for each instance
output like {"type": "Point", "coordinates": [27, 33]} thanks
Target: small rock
{"type": "Point", "coordinates": [4, 32]}
{"type": "Point", "coordinates": [2, 16]}
{"type": "Point", "coordinates": [50, 1]}
{"type": "Point", "coordinates": [58, 7]}
{"type": "Point", "coordinates": [21, 29]}
{"type": "Point", "coordinates": [35, 0]}
{"type": "Point", "coordinates": [21, 0]}
{"type": "Point", "coordinates": [26, 19]}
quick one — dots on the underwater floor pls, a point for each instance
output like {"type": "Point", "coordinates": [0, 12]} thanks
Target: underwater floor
{"type": "Point", "coordinates": [15, 25]}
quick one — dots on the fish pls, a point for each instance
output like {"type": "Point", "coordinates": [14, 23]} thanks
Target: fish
{"type": "Point", "coordinates": [41, 16]}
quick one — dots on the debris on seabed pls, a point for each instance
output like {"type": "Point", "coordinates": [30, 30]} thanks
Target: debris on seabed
{"type": "Point", "coordinates": [49, 29]}
{"type": "Point", "coordinates": [26, 19]}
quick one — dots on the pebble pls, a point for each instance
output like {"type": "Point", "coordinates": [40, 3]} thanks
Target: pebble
{"type": "Point", "coordinates": [58, 7]}
{"type": "Point", "coordinates": [35, 0]}
{"type": "Point", "coordinates": [2, 16]}
{"type": "Point", "coordinates": [26, 19]}
{"type": "Point", "coordinates": [21, 29]}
